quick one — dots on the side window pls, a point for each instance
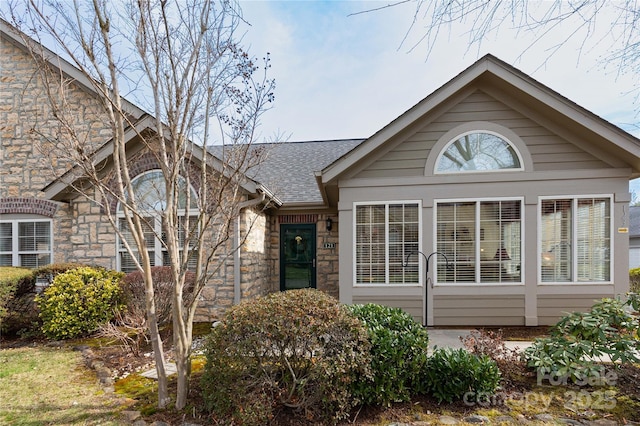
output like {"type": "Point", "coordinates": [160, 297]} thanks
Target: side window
{"type": "Point", "coordinates": [26, 243]}
{"type": "Point", "coordinates": [575, 240]}
{"type": "Point", "coordinates": [385, 234]}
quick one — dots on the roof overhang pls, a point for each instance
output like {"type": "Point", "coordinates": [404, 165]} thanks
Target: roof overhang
{"type": "Point", "coordinates": [74, 182]}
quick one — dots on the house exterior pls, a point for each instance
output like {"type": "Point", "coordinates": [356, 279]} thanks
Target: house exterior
{"type": "Point", "coordinates": [493, 201]}
{"type": "Point", "coordinates": [523, 192]}
{"type": "Point", "coordinates": [634, 237]}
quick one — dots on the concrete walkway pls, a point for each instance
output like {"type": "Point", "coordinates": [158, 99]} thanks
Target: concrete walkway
{"type": "Point", "coordinates": [452, 338]}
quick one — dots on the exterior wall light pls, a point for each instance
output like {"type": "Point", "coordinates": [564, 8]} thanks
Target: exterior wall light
{"type": "Point", "coordinates": [329, 224]}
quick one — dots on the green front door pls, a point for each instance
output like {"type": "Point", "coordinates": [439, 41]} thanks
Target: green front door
{"type": "Point", "coordinates": [297, 256]}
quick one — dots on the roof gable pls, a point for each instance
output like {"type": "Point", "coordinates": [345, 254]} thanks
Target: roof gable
{"type": "Point", "coordinates": [494, 75]}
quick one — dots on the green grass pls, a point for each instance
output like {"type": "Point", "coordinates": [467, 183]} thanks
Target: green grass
{"type": "Point", "coordinates": [45, 386]}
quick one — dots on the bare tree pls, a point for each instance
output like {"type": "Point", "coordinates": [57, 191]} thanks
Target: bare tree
{"type": "Point", "coordinates": [612, 25]}
{"type": "Point", "coordinates": [202, 86]}
{"type": "Point", "coordinates": [579, 19]}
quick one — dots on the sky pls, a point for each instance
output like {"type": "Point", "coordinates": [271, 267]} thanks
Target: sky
{"type": "Point", "coordinates": [343, 74]}
{"type": "Point", "coordinates": [344, 70]}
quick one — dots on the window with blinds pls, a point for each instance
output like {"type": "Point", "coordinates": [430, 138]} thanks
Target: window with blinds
{"type": "Point", "coordinates": [150, 190]}
{"type": "Point", "coordinates": [386, 235]}
{"type": "Point", "coordinates": [481, 239]}
{"type": "Point", "coordinates": [25, 243]}
{"type": "Point", "coordinates": [575, 240]}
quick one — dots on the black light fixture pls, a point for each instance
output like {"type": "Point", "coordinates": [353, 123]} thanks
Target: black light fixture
{"type": "Point", "coordinates": [329, 224]}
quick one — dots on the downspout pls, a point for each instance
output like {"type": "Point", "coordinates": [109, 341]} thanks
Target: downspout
{"type": "Point", "coordinates": [237, 291]}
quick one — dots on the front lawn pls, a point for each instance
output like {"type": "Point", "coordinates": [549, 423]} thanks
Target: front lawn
{"type": "Point", "coordinates": [48, 385]}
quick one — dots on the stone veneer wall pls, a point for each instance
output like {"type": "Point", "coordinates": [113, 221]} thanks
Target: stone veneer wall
{"type": "Point", "coordinates": [27, 164]}
{"type": "Point", "coordinates": [81, 233]}
{"type": "Point", "coordinates": [327, 258]}
{"type": "Point", "coordinates": [255, 271]}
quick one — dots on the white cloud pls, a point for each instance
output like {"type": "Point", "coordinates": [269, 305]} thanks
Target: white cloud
{"type": "Point", "coordinates": [341, 76]}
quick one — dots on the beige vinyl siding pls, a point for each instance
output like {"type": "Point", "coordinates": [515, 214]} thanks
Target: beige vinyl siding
{"type": "Point", "coordinates": [552, 306]}
{"type": "Point", "coordinates": [548, 151]}
{"type": "Point", "coordinates": [489, 310]}
{"type": "Point", "coordinates": [410, 304]}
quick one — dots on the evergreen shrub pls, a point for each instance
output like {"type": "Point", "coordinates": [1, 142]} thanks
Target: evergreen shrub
{"type": "Point", "coordinates": [399, 348]}
{"type": "Point", "coordinates": [456, 374]}
{"type": "Point", "coordinates": [296, 350]}
{"type": "Point", "coordinates": [78, 301]}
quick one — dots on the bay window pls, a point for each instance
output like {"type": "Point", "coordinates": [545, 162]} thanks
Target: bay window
{"type": "Point", "coordinates": [386, 234]}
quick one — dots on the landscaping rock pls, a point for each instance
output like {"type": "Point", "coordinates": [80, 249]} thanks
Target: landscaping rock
{"type": "Point", "coordinates": [447, 420]}
{"type": "Point", "coordinates": [505, 419]}
{"type": "Point", "coordinates": [545, 417]}
{"type": "Point", "coordinates": [570, 422]}
{"type": "Point", "coordinates": [475, 418]}
{"type": "Point", "coordinates": [130, 415]}
{"type": "Point", "coordinates": [602, 422]}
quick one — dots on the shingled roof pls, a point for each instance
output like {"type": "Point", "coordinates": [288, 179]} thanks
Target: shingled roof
{"type": "Point", "coordinates": [288, 170]}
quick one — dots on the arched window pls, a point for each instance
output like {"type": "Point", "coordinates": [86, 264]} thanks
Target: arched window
{"type": "Point", "coordinates": [478, 151]}
{"type": "Point", "coordinates": [151, 197]}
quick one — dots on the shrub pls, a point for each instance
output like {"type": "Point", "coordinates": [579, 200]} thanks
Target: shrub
{"type": "Point", "coordinates": [634, 280]}
{"type": "Point", "coordinates": [579, 340]}
{"type": "Point", "coordinates": [11, 279]}
{"type": "Point", "coordinates": [47, 273]}
{"type": "Point", "coordinates": [133, 288]}
{"type": "Point", "coordinates": [398, 354]}
{"type": "Point", "coordinates": [491, 343]}
{"type": "Point", "coordinates": [23, 315]}
{"type": "Point", "coordinates": [298, 349]}
{"type": "Point", "coordinates": [455, 374]}
{"type": "Point", "coordinates": [78, 301]}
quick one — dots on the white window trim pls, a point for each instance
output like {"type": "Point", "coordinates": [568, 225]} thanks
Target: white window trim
{"type": "Point", "coordinates": [470, 132]}
{"type": "Point", "coordinates": [15, 253]}
{"type": "Point", "coordinates": [483, 127]}
{"type": "Point", "coordinates": [386, 284]}
{"type": "Point", "coordinates": [156, 215]}
{"type": "Point", "coordinates": [574, 233]}
{"type": "Point", "coordinates": [521, 283]}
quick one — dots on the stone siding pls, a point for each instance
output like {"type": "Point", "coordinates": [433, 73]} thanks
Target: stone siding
{"type": "Point", "coordinates": [82, 233]}
{"type": "Point", "coordinates": [29, 162]}
{"type": "Point", "coordinates": [327, 258]}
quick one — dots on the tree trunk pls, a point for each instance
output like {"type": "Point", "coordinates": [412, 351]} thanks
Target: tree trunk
{"type": "Point", "coordinates": [154, 334]}
{"type": "Point", "coordinates": [183, 364]}
{"type": "Point", "coordinates": [182, 339]}
{"type": "Point", "coordinates": [158, 356]}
